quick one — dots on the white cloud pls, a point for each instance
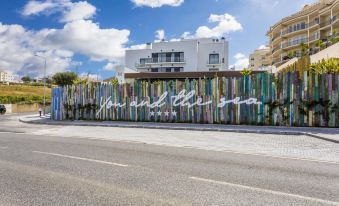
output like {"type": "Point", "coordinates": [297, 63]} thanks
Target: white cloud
{"type": "Point", "coordinates": [241, 61]}
{"type": "Point", "coordinates": [138, 46]}
{"type": "Point", "coordinates": [187, 35]}
{"type": "Point", "coordinates": [96, 43]}
{"type": "Point", "coordinates": [18, 46]}
{"type": "Point", "coordinates": [157, 3]}
{"type": "Point", "coordinates": [70, 11]}
{"type": "Point", "coordinates": [226, 23]}
{"type": "Point", "coordinates": [109, 66]}
{"type": "Point", "coordinates": [37, 7]}
{"type": "Point", "coordinates": [160, 34]}
{"type": "Point", "coordinates": [77, 11]}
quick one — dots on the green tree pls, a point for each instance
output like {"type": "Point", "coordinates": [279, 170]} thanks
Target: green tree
{"type": "Point", "coordinates": [26, 79]}
{"type": "Point", "coordinates": [304, 49]}
{"type": "Point", "coordinates": [64, 78]}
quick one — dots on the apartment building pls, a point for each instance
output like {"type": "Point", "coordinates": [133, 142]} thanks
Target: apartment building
{"type": "Point", "coordinates": [318, 21]}
{"type": "Point", "coordinates": [7, 77]}
{"type": "Point", "coordinates": [260, 59]}
{"type": "Point", "coordinates": [186, 55]}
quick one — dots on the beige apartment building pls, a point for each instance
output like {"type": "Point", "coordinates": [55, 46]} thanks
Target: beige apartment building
{"type": "Point", "coordinates": [260, 59]}
{"type": "Point", "coordinates": [318, 21]}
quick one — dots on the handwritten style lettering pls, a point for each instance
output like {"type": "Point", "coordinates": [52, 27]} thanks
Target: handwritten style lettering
{"type": "Point", "coordinates": [182, 99]}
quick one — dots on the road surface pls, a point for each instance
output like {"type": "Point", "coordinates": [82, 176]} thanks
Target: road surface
{"type": "Point", "coordinates": [50, 165]}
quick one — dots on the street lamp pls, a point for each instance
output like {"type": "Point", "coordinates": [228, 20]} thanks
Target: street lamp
{"type": "Point", "coordinates": [45, 61]}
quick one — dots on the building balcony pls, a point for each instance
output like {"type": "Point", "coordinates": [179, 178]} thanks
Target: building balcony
{"type": "Point", "coordinates": [288, 31]}
{"type": "Point", "coordinates": [314, 38]}
{"type": "Point", "coordinates": [213, 63]}
{"type": "Point", "coordinates": [313, 24]}
{"type": "Point", "coordinates": [294, 43]}
{"type": "Point", "coordinates": [149, 62]}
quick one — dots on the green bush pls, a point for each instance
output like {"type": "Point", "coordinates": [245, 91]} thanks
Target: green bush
{"type": "Point", "coordinates": [23, 99]}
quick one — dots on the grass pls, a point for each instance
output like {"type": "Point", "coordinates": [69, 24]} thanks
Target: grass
{"type": "Point", "coordinates": [23, 94]}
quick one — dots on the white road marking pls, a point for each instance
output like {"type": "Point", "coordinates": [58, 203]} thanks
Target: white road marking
{"type": "Point", "coordinates": [81, 158]}
{"type": "Point", "coordinates": [265, 191]}
{"type": "Point", "coordinates": [3, 147]}
{"type": "Point", "coordinates": [190, 147]}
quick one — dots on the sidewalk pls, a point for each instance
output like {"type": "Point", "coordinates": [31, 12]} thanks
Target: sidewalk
{"type": "Point", "coordinates": [328, 134]}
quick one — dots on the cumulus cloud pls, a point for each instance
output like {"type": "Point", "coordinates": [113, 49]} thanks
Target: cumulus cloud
{"type": "Point", "coordinates": [19, 45]}
{"type": "Point", "coordinates": [137, 46]}
{"type": "Point", "coordinates": [225, 23]}
{"type": "Point", "coordinates": [109, 66]}
{"type": "Point", "coordinates": [96, 43]}
{"type": "Point", "coordinates": [241, 61]}
{"type": "Point", "coordinates": [157, 3]}
{"type": "Point", "coordinates": [18, 49]}
{"type": "Point", "coordinates": [160, 34]}
{"type": "Point", "coordinates": [37, 7]}
{"type": "Point", "coordinates": [70, 11]}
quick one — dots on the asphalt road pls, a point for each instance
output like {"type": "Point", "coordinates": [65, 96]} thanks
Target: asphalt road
{"type": "Point", "coordinates": [57, 170]}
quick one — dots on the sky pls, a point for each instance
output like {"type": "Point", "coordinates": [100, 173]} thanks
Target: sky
{"type": "Point", "coordinates": [90, 37]}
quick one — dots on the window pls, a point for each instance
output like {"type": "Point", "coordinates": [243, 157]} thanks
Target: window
{"type": "Point", "coordinates": [155, 70]}
{"type": "Point", "coordinates": [214, 59]}
{"type": "Point", "coordinates": [142, 61]}
{"type": "Point", "coordinates": [168, 69]}
{"type": "Point", "coordinates": [177, 69]}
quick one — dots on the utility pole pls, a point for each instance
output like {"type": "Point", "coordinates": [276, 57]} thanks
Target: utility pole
{"type": "Point", "coordinates": [45, 66]}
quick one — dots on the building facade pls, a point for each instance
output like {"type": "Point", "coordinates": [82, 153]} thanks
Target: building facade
{"type": "Point", "coordinates": [305, 30]}
{"type": "Point", "coordinates": [186, 55]}
{"type": "Point", "coordinates": [260, 59]}
{"type": "Point", "coordinates": [7, 77]}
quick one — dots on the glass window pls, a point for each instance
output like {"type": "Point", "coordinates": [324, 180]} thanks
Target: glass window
{"type": "Point", "coordinates": [155, 70]}
{"type": "Point", "coordinates": [168, 69]}
{"type": "Point", "coordinates": [176, 69]}
{"type": "Point", "coordinates": [214, 59]}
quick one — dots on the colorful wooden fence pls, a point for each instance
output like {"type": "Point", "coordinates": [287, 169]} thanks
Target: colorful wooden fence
{"type": "Point", "coordinates": [290, 99]}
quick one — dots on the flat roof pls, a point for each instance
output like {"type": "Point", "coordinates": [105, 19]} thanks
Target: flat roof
{"type": "Point", "coordinates": [184, 75]}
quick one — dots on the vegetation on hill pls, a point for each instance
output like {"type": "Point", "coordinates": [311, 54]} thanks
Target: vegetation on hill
{"type": "Point", "coordinates": [13, 94]}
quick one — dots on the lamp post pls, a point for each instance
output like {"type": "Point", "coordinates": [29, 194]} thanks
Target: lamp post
{"type": "Point", "coordinates": [45, 64]}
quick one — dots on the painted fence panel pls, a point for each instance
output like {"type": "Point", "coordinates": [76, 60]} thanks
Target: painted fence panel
{"type": "Point", "coordinates": [289, 99]}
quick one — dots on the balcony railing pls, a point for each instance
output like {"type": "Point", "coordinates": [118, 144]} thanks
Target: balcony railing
{"type": "Point", "coordinates": [313, 23]}
{"type": "Point", "coordinates": [291, 30]}
{"type": "Point", "coordinates": [213, 62]}
{"type": "Point", "coordinates": [276, 48]}
{"type": "Point", "coordinates": [314, 37]}
{"type": "Point", "coordinates": [147, 61]}
{"type": "Point", "coordinates": [293, 43]}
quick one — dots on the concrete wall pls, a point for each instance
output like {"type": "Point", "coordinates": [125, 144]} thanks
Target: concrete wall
{"type": "Point", "coordinates": [330, 52]}
{"type": "Point", "coordinates": [21, 108]}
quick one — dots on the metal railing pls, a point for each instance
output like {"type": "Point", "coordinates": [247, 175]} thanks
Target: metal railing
{"type": "Point", "coordinates": [293, 43]}
{"type": "Point", "coordinates": [147, 61]}
{"type": "Point", "coordinates": [291, 30]}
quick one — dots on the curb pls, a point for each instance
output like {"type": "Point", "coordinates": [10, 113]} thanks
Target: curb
{"type": "Point", "coordinates": [63, 123]}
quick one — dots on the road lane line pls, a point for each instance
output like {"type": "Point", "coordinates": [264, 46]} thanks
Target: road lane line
{"type": "Point", "coordinates": [265, 190]}
{"type": "Point", "coordinates": [188, 147]}
{"type": "Point", "coordinates": [81, 158]}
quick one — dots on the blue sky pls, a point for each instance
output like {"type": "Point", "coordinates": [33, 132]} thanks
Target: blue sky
{"type": "Point", "coordinates": [91, 36]}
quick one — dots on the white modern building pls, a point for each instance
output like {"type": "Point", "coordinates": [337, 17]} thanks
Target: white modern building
{"type": "Point", "coordinates": [7, 77]}
{"type": "Point", "coordinates": [186, 55]}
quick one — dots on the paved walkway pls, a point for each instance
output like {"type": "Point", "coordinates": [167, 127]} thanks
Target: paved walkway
{"type": "Point", "coordinates": [328, 134]}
